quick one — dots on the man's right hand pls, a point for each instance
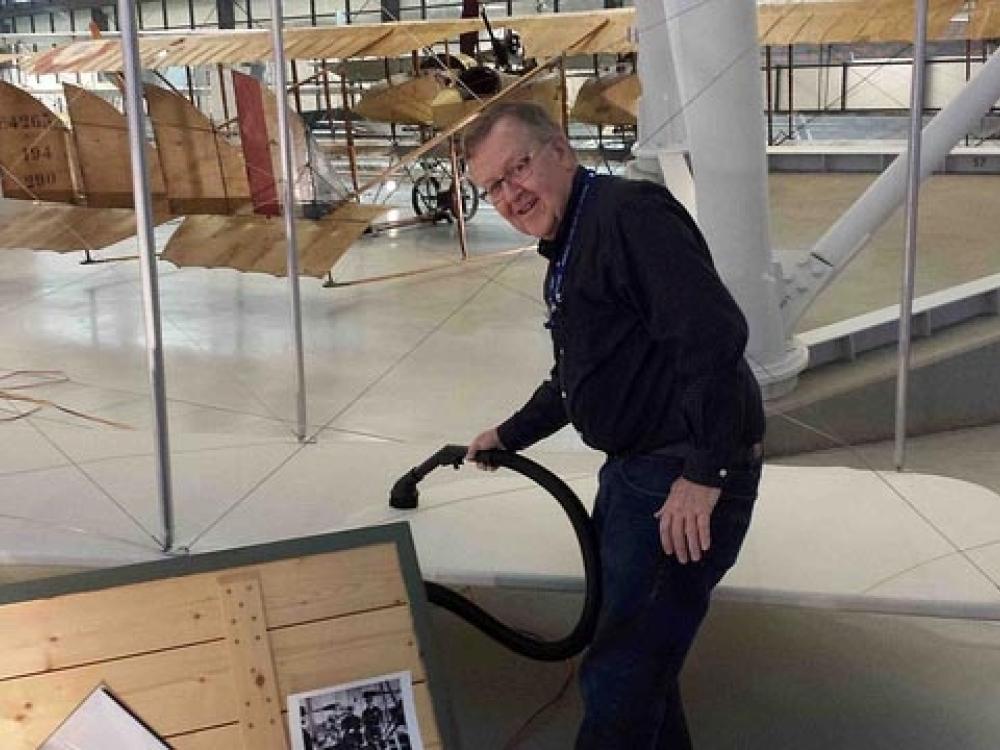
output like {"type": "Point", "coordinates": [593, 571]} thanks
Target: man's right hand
{"type": "Point", "coordinates": [484, 441]}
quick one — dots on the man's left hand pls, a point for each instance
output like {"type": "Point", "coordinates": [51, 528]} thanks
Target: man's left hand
{"type": "Point", "coordinates": [685, 519]}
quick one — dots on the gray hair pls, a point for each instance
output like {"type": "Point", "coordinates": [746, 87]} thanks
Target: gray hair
{"type": "Point", "coordinates": [529, 114]}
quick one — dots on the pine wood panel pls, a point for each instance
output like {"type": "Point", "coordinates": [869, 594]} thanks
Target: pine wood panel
{"type": "Point", "coordinates": [216, 738]}
{"type": "Point", "coordinates": [228, 736]}
{"type": "Point", "coordinates": [382, 637]}
{"type": "Point", "coordinates": [78, 629]}
{"type": "Point", "coordinates": [256, 685]}
{"type": "Point", "coordinates": [172, 691]}
{"type": "Point", "coordinates": [192, 687]}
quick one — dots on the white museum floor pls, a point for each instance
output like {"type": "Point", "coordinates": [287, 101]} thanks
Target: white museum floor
{"type": "Point", "coordinates": [394, 370]}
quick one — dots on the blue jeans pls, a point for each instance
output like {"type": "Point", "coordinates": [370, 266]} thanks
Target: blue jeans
{"type": "Point", "coordinates": [652, 605]}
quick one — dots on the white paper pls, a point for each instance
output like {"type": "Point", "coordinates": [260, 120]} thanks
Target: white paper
{"type": "Point", "coordinates": [101, 723]}
{"type": "Point", "coordinates": [376, 713]}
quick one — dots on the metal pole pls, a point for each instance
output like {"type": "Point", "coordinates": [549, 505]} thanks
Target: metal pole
{"type": "Point", "coordinates": [770, 93]}
{"type": "Point", "coordinates": [564, 109]}
{"type": "Point", "coordinates": [456, 195]}
{"type": "Point", "coordinates": [968, 71]}
{"type": "Point", "coordinates": [147, 253]}
{"type": "Point", "coordinates": [791, 93]}
{"type": "Point", "coordinates": [222, 92]}
{"type": "Point", "coordinates": [288, 175]}
{"type": "Point", "coordinates": [912, 200]}
{"type": "Point", "coordinates": [352, 157]}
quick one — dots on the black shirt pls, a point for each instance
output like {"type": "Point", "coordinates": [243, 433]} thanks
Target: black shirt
{"type": "Point", "coordinates": [648, 341]}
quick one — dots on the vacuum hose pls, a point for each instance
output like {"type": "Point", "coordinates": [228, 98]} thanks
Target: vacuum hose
{"type": "Point", "coordinates": [404, 495]}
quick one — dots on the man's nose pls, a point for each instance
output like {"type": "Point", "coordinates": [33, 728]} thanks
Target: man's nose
{"type": "Point", "coordinates": [511, 190]}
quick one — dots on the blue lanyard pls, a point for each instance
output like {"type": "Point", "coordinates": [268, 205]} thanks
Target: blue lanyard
{"type": "Point", "coordinates": [554, 288]}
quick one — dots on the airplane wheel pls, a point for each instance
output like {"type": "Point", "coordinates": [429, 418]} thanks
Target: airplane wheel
{"type": "Point", "coordinates": [424, 195]}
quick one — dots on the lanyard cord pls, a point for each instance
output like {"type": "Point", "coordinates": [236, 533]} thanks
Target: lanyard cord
{"type": "Point", "coordinates": [554, 287]}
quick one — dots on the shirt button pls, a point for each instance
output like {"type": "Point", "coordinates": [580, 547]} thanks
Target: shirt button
{"type": "Point", "coordinates": [723, 473]}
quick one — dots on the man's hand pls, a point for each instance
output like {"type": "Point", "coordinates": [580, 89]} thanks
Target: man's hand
{"type": "Point", "coordinates": [685, 519]}
{"type": "Point", "coordinates": [484, 441]}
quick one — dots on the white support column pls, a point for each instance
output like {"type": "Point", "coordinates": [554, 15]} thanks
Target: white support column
{"type": "Point", "coordinates": [712, 54]}
{"type": "Point", "coordinates": [661, 150]}
{"type": "Point", "coordinates": [851, 232]}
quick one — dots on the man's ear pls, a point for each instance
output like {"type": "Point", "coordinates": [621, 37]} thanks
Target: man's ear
{"type": "Point", "coordinates": [563, 150]}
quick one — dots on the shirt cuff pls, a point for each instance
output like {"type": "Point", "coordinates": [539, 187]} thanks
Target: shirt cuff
{"type": "Point", "coordinates": [705, 468]}
{"type": "Point", "coordinates": [508, 434]}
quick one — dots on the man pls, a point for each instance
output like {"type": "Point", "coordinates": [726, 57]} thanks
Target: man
{"type": "Point", "coordinates": [649, 369]}
{"type": "Point", "coordinates": [371, 718]}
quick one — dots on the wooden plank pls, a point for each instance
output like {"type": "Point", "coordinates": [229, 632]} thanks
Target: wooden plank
{"type": "Point", "coordinates": [68, 631]}
{"type": "Point", "coordinates": [365, 644]}
{"type": "Point", "coordinates": [172, 691]}
{"type": "Point", "coordinates": [256, 684]}
{"type": "Point", "coordinates": [228, 736]}
{"type": "Point", "coordinates": [216, 738]}
{"type": "Point", "coordinates": [193, 687]}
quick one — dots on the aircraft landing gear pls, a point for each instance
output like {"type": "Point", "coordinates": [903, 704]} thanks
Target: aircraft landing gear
{"type": "Point", "coordinates": [436, 203]}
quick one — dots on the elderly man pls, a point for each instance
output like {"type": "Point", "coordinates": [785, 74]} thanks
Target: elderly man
{"type": "Point", "coordinates": [649, 368]}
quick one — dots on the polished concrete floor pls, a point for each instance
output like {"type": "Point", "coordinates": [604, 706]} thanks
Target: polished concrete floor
{"type": "Point", "coordinates": [397, 368]}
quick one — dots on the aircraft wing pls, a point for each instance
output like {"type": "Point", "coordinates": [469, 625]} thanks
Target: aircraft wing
{"type": "Point", "coordinates": [63, 227]}
{"type": "Point", "coordinates": [240, 46]}
{"type": "Point", "coordinates": [257, 243]}
{"type": "Point", "coordinates": [543, 34]}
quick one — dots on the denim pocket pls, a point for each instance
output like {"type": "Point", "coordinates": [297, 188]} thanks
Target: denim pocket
{"type": "Point", "coordinates": [730, 522]}
{"type": "Point", "coordinates": [650, 475]}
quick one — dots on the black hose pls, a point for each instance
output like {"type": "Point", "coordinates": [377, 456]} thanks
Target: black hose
{"type": "Point", "coordinates": [404, 495]}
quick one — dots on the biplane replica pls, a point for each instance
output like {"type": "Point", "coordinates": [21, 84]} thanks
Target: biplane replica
{"type": "Point", "coordinates": [68, 189]}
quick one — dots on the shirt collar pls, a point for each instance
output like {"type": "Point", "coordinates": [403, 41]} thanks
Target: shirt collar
{"type": "Point", "coordinates": [549, 248]}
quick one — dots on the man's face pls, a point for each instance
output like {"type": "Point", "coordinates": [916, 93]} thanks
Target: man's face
{"type": "Point", "coordinates": [536, 203]}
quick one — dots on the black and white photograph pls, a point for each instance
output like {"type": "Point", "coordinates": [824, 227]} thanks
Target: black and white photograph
{"type": "Point", "coordinates": [372, 714]}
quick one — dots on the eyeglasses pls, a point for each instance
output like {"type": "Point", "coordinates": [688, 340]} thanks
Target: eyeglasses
{"type": "Point", "coordinates": [518, 172]}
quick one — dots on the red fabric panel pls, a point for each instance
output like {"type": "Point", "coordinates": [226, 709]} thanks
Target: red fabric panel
{"type": "Point", "coordinates": [256, 146]}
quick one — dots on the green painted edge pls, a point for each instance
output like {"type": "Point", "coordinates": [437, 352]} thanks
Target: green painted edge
{"type": "Point", "coordinates": [417, 594]}
{"type": "Point", "coordinates": [208, 562]}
